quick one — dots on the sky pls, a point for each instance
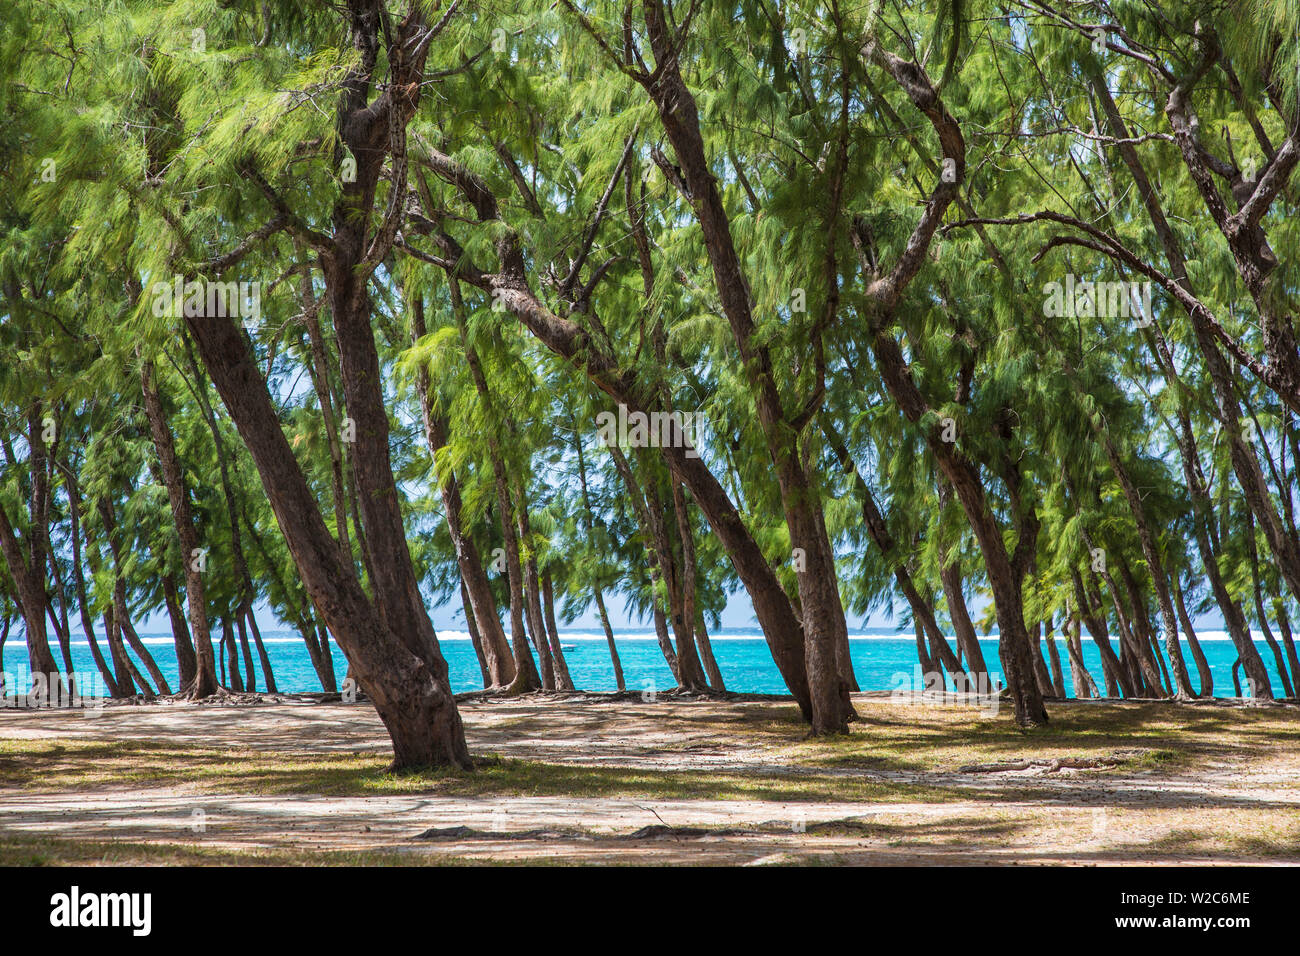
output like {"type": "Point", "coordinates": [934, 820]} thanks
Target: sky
{"type": "Point", "coordinates": [739, 614]}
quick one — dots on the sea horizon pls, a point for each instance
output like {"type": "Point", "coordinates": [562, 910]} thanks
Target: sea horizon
{"type": "Point", "coordinates": [884, 659]}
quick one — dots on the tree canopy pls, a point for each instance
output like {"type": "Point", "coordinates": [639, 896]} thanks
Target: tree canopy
{"type": "Point", "coordinates": [894, 305]}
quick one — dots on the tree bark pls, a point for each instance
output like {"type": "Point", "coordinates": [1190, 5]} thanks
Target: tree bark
{"type": "Point", "coordinates": [79, 582]}
{"type": "Point", "coordinates": [526, 677]}
{"type": "Point", "coordinates": [819, 600]}
{"type": "Point", "coordinates": [1116, 678]}
{"type": "Point", "coordinates": [29, 578]}
{"type": "Point", "coordinates": [586, 517]}
{"type": "Point", "coordinates": [1058, 679]}
{"type": "Point", "coordinates": [562, 679]}
{"type": "Point", "coordinates": [408, 688]}
{"type": "Point", "coordinates": [1205, 675]}
{"type": "Point", "coordinates": [476, 589]}
{"type": "Point", "coordinates": [471, 626]}
{"type": "Point", "coordinates": [642, 509]}
{"type": "Point", "coordinates": [532, 589]}
{"type": "Point", "coordinates": [247, 593]}
{"type": "Point", "coordinates": [205, 682]}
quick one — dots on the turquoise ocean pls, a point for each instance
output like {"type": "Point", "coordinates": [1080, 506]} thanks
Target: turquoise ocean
{"type": "Point", "coordinates": [883, 660]}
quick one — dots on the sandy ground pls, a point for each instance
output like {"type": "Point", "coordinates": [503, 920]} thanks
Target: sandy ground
{"type": "Point", "coordinates": [1039, 814]}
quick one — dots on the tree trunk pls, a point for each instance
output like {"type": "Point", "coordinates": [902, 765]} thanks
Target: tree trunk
{"type": "Point", "coordinates": [1288, 641]}
{"type": "Point", "coordinates": [586, 516]}
{"type": "Point", "coordinates": [819, 600]}
{"type": "Point", "coordinates": [320, 375]}
{"type": "Point", "coordinates": [1116, 679]}
{"type": "Point", "coordinates": [246, 649]}
{"type": "Point", "coordinates": [532, 593]}
{"type": "Point", "coordinates": [476, 589]}
{"type": "Point", "coordinates": [128, 674]}
{"type": "Point", "coordinates": [687, 579]}
{"type": "Point", "coordinates": [79, 582]}
{"type": "Point", "coordinates": [328, 677]}
{"type": "Point", "coordinates": [408, 689]}
{"type": "Point", "coordinates": [234, 681]}
{"type": "Point", "coordinates": [562, 679]}
{"type": "Point", "coordinates": [922, 610]}
{"type": "Point", "coordinates": [186, 660]}
{"type": "Point", "coordinates": [31, 600]}
{"type": "Point", "coordinates": [609, 639]}
{"type": "Point", "coordinates": [690, 673]}
{"type": "Point", "coordinates": [120, 606]}
{"type": "Point", "coordinates": [1058, 679]}
{"type": "Point", "coordinates": [653, 559]}
{"type": "Point", "coordinates": [1042, 677]}
{"type": "Point", "coordinates": [526, 677]}
{"type": "Point", "coordinates": [1253, 555]}
{"type": "Point", "coordinates": [61, 626]}
{"type": "Point", "coordinates": [1160, 583]}
{"type": "Point", "coordinates": [706, 654]}
{"type": "Point", "coordinates": [1203, 671]}
{"type": "Point", "coordinates": [205, 683]}
{"type": "Point", "coordinates": [1143, 670]}
{"type": "Point", "coordinates": [247, 593]}
{"type": "Point", "coordinates": [661, 631]}
{"type": "Point", "coordinates": [929, 669]}
{"type": "Point", "coordinates": [471, 627]}
{"type": "Point", "coordinates": [124, 671]}
{"type": "Point", "coordinates": [1084, 686]}
{"type": "Point", "coordinates": [843, 655]}
{"type": "Point", "coordinates": [968, 644]}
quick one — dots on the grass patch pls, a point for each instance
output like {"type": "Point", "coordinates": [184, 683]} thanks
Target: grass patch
{"type": "Point", "coordinates": [70, 765]}
{"type": "Point", "coordinates": [40, 851]}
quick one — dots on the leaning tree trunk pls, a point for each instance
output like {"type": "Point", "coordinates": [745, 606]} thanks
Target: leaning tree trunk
{"type": "Point", "coordinates": [128, 674]}
{"type": "Point", "coordinates": [245, 617]}
{"type": "Point", "coordinates": [70, 484]}
{"type": "Point", "coordinates": [562, 678]}
{"type": "Point", "coordinates": [205, 681]}
{"type": "Point", "coordinates": [691, 607]}
{"type": "Point", "coordinates": [922, 610]}
{"type": "Point", "coordinates": [527, 677]}
{"type": "Point", "coordinates": [1253, 555]}
{"type": "Point", "coordinates": [29, 583]}
{"type": "Point", "coordinates": [186, 660]}
{"type": "Point", "coordinates": [230, 652]}
{"type": "Point", "coordinates": [532, 594]}
{"type": "Point", "coordinates": [690, 673]}
{"type": "Point", "coordinates": [319, 367]}
{"type": "Point", "coordinates": [1084, 686]}
{"type": "Point", "coordinates": [471, 626]}
{"type": "Point", "coordinates": [1288, 641]}
{"type": "Point", "coordinates": [1203, 671]}
{"type": "Point", "coordinates": [587, 529]}
{"type": "Point", "coordinates": [609, 640]}
{"type": "Point", "coordinates": [819, 599]}
{"type": "Point", "coordinates": [125, 673]}
{"type": "Point", "coordinates": [477, 591]}
{"type": "Point", "coordinates": [409, 691]}
{"type": "Point", "coordinates": [1116, 678]}
{"type": "Point", "coordinates": [968, 643]}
